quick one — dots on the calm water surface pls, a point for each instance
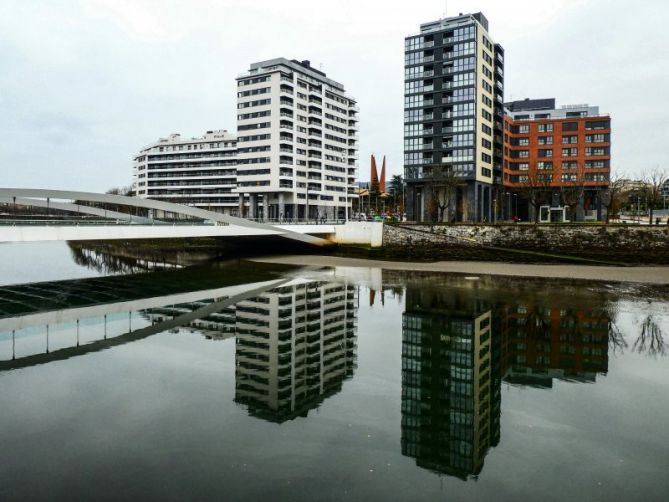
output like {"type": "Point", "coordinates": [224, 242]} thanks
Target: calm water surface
{"type": "Point", "coordinates": [243, 382]}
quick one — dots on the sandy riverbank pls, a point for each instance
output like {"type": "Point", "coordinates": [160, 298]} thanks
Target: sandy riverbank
{"type": "Point", "coordinates": [645, 275]}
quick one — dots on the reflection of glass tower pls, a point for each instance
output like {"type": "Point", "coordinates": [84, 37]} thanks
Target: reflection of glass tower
{"type": "Point", "coordinates": [450, 411]}
{"type": "Point", "coordinates": [295, 346]}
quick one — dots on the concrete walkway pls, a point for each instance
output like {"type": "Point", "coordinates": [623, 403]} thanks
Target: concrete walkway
{"type": "Point", "coordinates": [646, 275]}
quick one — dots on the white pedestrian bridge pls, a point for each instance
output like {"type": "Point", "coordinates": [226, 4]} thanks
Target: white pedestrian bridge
{"type": "Point", "coordinates": [187, 222]}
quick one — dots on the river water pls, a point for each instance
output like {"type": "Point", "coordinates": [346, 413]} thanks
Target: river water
{"type": "Point", "coordinates": [239, 381]}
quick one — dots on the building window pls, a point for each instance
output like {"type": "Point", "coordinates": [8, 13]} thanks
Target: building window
{"type": "Point", "coordinates": [545, 140]}
{"type": "Point", "coordinates": [545, 127]}
{"type": "Point", "coordinates": [545, 153]}
{"type": "Point", "coordinates": [569, 152]}
{"type": "Point", "coordinates": [597, 138]}
{"type": "Point", "coordinates": [545, 165]}
{"type": "Point", "coordinates": [566, 140]}
{"type": "Point", "coordinates": [570, 126]}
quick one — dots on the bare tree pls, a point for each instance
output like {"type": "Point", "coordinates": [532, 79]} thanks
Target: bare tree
{"type": "Point", "coordinates": [654, 181]}
{"type": "Point", "coordinates": [650, 339]}
{"type": "Point", "coordinates": [535, 188]}
{"type": "Point", "coordinates": [615, 195]}
{"type": "Point", "coordinates": [572, 189]}
{"type": "Point", "coordinates": [443, 185]}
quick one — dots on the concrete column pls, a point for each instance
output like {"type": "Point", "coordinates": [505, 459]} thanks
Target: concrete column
{"type": "Point", "coordinates": [241, 205]}
{"type": "Point", "coordinates": [253, 201]}
{"type": "Point", "coordinates": [600, 207]}
{"type": "Point", "coordinates": [580, 212]}
{"type": "Point", "coordinates": [265, 213]}
{"type": "Point", "coordinates": [282, 206]}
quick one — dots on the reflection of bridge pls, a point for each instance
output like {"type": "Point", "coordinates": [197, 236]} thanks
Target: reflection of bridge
{"type": "Point", "coordinates": [105, 313]}
{"type": "Point", "coordinates": [115, 224]}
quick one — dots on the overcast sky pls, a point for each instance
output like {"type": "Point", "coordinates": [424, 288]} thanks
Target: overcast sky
{"type": "Point", "coordinates": [85, 84]}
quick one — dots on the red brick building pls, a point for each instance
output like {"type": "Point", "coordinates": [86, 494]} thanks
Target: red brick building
{"type": "Point", "coordinates": [557, 162]}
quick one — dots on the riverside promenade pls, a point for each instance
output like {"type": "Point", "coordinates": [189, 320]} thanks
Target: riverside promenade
{"type": "Point", "coordinates": [658, 275]}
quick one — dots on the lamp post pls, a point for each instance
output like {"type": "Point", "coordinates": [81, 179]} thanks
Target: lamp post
{"type": "Point", "coordinates": [494, 210]}
{"type": "Point", "coordinates": [515, 198]}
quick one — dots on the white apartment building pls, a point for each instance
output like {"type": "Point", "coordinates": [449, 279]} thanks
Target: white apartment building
{"type": "Point", "coordinates": [297, 142]}
{"type": "Point", "coordinates": [197, 171]}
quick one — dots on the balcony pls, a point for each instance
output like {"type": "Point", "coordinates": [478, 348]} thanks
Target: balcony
{"type": "Point", "coordinates": [447, 99]}
{"type": "Point", "coordinates": [428, 102]}
{"type": "Point", "coordinates": [428, 116]}
{"type": "Point", "coordinates": [426, 59]}
{"type": "Point", "coordinates": [425, 45]}
{"type": "Point", "coordinates": [428, 132]}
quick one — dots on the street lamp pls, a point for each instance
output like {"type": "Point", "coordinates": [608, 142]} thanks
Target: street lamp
{"type": "Point", "coordinates": [515, 212]}
{"type": "Point", "coordinates": [494, 210]}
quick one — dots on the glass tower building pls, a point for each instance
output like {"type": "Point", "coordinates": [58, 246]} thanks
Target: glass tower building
{"type": "Point", "coordinates": [453, 120]}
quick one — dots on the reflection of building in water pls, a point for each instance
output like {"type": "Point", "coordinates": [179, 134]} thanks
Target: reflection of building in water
{"type": "Point", "coordinates": [450, 411]}
{"type": "Point", "coordinates": [216, 326]}
{"type": "Point", "coordinates": [544, 343]}
{"type": "Point", "coordinates": [460, 340]}
{"type": "Point", "coordinates": [295, 347]}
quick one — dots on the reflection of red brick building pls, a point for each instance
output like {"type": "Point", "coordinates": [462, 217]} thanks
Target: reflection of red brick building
{"type": "Point", "coordinates": [556, 158]}
{"type": "Point", "coordinates": [542, 343]}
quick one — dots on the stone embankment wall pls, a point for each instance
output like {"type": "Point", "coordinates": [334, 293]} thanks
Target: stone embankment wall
{"type": "Point", "coordinates": [612, 243]}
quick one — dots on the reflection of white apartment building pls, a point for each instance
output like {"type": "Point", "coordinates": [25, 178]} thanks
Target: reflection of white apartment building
{"type": "Point", "coordinates": [194, 171]}
{"type": "Point", "coordinates": [215, 326]}
{"type": "Point", "coordinates": [295, 347]}
{"type": "Point", "coordinates": [297, 141]}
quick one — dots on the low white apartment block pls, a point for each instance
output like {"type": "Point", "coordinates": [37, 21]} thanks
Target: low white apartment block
{"type": "Point", "coordinates": [297, 142]}
{"type": "Point", "coordinates": [194, 171]}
